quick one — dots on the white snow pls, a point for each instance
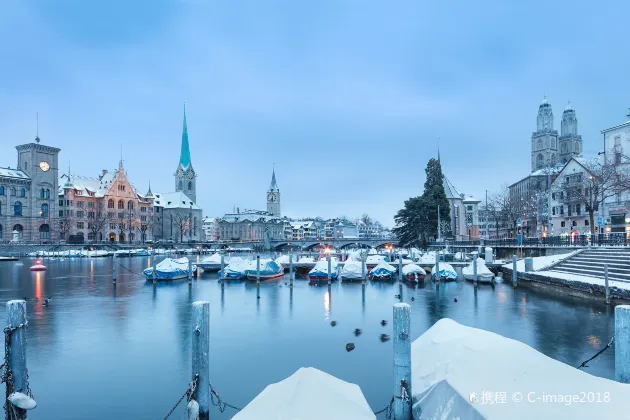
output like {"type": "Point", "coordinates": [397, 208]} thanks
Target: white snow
{"type": "Point", "coordinates": [585, 279]}
{"type": "Point", "coordinates": [413, 268]}
{"type": "Point", "coordinates": [375, 259]}
{"type": "Point", "coordinates": [428, 258]}
{"type": "Point", "coordinates": [308, 394]}
{"type": "Point", "coordinates": [450, 362]}
{"type": "Point", "coordinates": [539, 262]}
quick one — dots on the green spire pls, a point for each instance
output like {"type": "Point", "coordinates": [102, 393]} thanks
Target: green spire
{"type": "Point", "coordinates": [184, 157]}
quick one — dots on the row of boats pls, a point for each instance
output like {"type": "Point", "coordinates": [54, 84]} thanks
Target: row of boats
{"type": "Point", "coordinates": [322, 270]}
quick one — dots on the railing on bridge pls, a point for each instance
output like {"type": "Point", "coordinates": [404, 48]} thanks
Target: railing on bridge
{"type": "Point", "coordinates": [602, 239]}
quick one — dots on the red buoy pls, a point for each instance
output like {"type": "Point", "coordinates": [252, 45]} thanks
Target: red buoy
{"type": "Point", "coordinates": [38, 266]}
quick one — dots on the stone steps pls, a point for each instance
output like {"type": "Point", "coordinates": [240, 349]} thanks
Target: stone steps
{"type": "Point", "coordinates": [591, 263]}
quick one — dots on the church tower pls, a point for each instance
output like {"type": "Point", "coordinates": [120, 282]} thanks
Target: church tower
{"type": "Point", "coordinates": [544, 139]}
{"type": "Point", "coordinates": [570, 142]}
{"type": "Point", "coordinates": [185, 177]}
{"type": "Point", "coordinates": [273, 196]}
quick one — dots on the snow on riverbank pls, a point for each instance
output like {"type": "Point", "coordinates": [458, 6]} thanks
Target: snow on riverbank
{"type": "Point", "coordinates": [454, 364]}
{"type": "Point", "coordinates": [539, 262]}
{"type": "Point", "coordinates": [584, 279]}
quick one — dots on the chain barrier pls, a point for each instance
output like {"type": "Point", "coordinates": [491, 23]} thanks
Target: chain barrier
{"type": "Point", "coordinates": [218, 402]}
{"type": "Point", "coordinates": [190, 393]}
{"type": "Point", "coordinates": [584, 363]}
{"type": "Point", "coordinates": [387, 410]}
{"type": "Point", "coordinates": [132, 272]}
{"type": "Point", "coordinates": [7, 375]}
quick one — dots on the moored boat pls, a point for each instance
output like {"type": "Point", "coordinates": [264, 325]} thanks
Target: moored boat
{"type": "Point", "coordinates": [484, 275]}
{"type": "Point", "coordinates": [269, 269]}
{"type": "Point", "coordinates": [413, 272]}
{"type": "Point", "coordinates": [353, 270]}
{"type": "Point", "coordinates": [447, 272]}
{"type": "Point", "coordinates": [211, 263]}
{"type": "Point", "coordinates": [374, 260]}
{"type": "Point", "coordinates": [319, 273]}
{"type": "Point", "coordinates": [170, 269]}
{"type": "Point", "coordinates": [236, 269]}
{"type": "Point", "coordinates": [382, 272]}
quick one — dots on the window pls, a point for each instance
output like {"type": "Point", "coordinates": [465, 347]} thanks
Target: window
{"type": "Point", "coordinates": [121, 215]}
{"type": "Point", "coordinates": [143, 209]}
{"type": "Point", "coordinates": [577, 147]}
{"type": "Point", "coordinates": [112, 226]}
{"type": "Point", "coordinates": [22, 192]}
{"type": "Point", "coordinates": [1, 190]}
{"type": "Point", "coordinates": [90, 204]}
{"type": "Point", "coordinates": [562, 210]}
{"type": "Point", "coordinates": [13, 191]}
{"type": "Point", "coordinates": [618, 197]}
{"type": "Point", "coordinates": [553, 196]}
{"type": "Point", "coordinates": [553, 211]}
{"type": "Point", "coordinates": [540, 144]}
{"type": "Point", "coordinates": [44, 211]}
{"type": "Point", "coordinates": [617, 157]}
{"type": "Point", "coordinates": [574, 223]}
{"type": "Point", "coordinates": [17, 209]}
{"type": "Point", "coordinates": [130, 205]}
{"type": "Point", "coordinates": [189, 185]}
{"type": "Point", "coordinates": [143, 218]}
{"type": "Point", "coordinates": [42, 193]}
{"type": "Point", "coordinates": [44, 232]}
{"type": "Point", "coordinates": [91, 214]}
{"type": "Point", "coordinates": [539, 161]}
{"type": "Point", "coordinates": [586, 222]}
{"type": "Point", "coordinates": [577, 209]}
{"type": "Point", "coordinates": [60, 213]}
{"type": "Point", "coordinates": [121, 205]}
{"type": "Point", "coordinates": [80, 204]}
{"type": "Point", "coordinates": [562, 223]}
{"type": "Point", "coordinates": [617, 140]}
{"type": "Point", "coordinates": [80, 213]}
{"type": "Point", "coordinates": [110, 214]}
{"type": "Point", "coordinates": [180, 185]}
{"type": "Point", "coordinates": [570, 210]}
{"type": "Point", "coordinates": [80, 225]}
{"type": "Point", "coordinates": [110, 204]}
{"type": "Point", "coordinates": [157, 209]}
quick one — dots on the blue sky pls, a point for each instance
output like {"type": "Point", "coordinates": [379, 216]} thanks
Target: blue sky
{"type": "Point", "coordinates": [346, 97]}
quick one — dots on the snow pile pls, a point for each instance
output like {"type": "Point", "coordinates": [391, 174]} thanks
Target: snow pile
{"type": "Point", "coordinates": [453, 364]}
{"type": "Point", "coordinates": [427, 259]}
{"type": "Point", "coordinates": [308, 394]}
{"type": "Point", "coordinates": [539, 262]}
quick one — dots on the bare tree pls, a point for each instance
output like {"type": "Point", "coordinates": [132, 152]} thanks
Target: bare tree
{"type": "Point", "coordinates": [65, 224]}
{"type": "Point", "coordinates": [97, 221]}
{"type": "Point", "coordinates": [514, 206]}
{"type": "Point", "coordinates": [180, 221]}
{"type": "Point", "coordinates": [588, 189]}
{"type": "Point", "coordinates": [145, 225]}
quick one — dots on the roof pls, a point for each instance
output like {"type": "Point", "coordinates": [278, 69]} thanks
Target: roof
{"type": "Point", "coordinates": [251, 216]}
{"type": "Point", "coordinates": [184, 157]}
{"type": "Point", "coordinates": [450, 190]}
{"type": "Point", "coordinates": [13, 173]}
{"type": "Point", "coordinates": [626, 124]}
{"type": "Point", "coordinates": [274, 185]}
{"type": "Point", "coordinates": [93, 187]}
{"type": "Point", "coordinates": [174, 200]}
{"type": "Point", "coordinates": [471, 199]}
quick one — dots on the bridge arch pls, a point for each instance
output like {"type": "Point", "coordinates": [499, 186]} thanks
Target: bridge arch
{"type": "Point", "coordinates": [318, 245]}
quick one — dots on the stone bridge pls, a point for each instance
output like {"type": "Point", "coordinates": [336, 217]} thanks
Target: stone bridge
{"type": "Point", "coordinates": [310, 244]}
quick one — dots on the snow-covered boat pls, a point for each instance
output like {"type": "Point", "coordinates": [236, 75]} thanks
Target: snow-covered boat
{"type": "Point", "coordinates": [447, 272]}
{"type": "Point", "coordinates": [305, 261]}
{"type": "Point", "coordinates": [383, 271]}
{"type": "Point", "coordinates": [170, 269]}
{"type": "Point", "coordinates": [319, 273]}
{"type": "Point", "coordinates": [236, 269]}
{"type": "Point", "coordinates": [352, 270]}
{"type": "Point", "coordinates": [141, 252]}
{"type": "Point", "coordinates": [484, 275]}
{"type": "Point", "coordinates": [269, 269]}
{"type": "Point", "coordinates": [413, 272]}
{"type": "Point", "coordinates": [374, 260]}
{"type": "Point", "coordinates": [211, 263]}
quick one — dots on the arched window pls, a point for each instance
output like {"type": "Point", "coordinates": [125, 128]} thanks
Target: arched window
{"type": "Point", "coordinates": [19, 229]}
{"type": "Point", "coordinates": [44, 211]}
{"type": "Point", "coordinates": [539, 161]}
{"type": "Point", "coordinates": [1, 190]}
{"type": "Point", "coordinates": [577, 147]}
{"type": "Point", "coordinates": [22, 192]}
{"type": "Point", "coordinates": [44, 232]}
{"type": "Point", "coordinates": [180, 185]}
{"type": "Point", "coordinates": [17, 209]}
{"type": "Point", "coordinates": [121, 205]}
{"type": "Point", "coordinates": [189, 185]}
{"type": "Point", "coordinates": [110, 204]}
{"type": "Point", "coordinates": [13, 191]}
{"type": "Point", "coordinates": [42, 193]}
{"type": "Point", "coordinates": [540, 144]}
{"type": "Point", "coordinates": [129, 205]}
{"type": "Point", "coordinates": [564, 147]}
{"type": "Point", "coordinates": [47, 193]}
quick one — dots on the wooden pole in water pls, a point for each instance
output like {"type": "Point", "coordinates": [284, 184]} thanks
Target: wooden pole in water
{"type": "Point", "coordinates": [329, 269]}
{"type": "Point", "coordinates": [258, 269]}
{"type": "Point", "coordinates": [514, 272]}
{"type": "Point", "coordinates": [189, 272]}
{"type": "Point", "coordinates": [607, 289]}
{"type": "Point", "coordinates": [437, 265]}
{"type": "Point", "coordinates": [475, 270]}
{"type": "Point", "coordinates": [402, 361]}
{"type": "Point", "coordinates": [363, 268]}
{"type": "Point", "coordinates": [200, 356]}
{"type": "Point", "coordinates": [222, 266]}
{"type": "Point", "coordinates": [400, 266]}
{"type": "Point", "coordinates": [16, 322]}
{"type": "Point", "coordinates": [622, 343]}
{"type": "Point", "coordinates": [114, 269]}
{"type": "Point", "coordinates": [291, 267]}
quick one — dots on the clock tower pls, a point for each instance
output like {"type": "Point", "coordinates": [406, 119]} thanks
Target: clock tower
{"type": "Point", "coordinates": [273, 196]}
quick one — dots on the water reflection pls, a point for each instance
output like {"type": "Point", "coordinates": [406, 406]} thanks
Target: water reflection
{"type": "Point", "coordinates": [327, 305]}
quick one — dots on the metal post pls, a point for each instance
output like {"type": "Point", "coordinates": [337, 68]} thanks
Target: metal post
{"type": "Point", "coordinates": [514, 272]}
{"type": "Point", "coordinates": [291, 276]}
{"type": "Point", "coordinates": [200, 355]}
{"type": "Point", "coordinates": [329, 269]}
{"type": "Point", "coordinates": [257, 268]}
{"type": "Point", "coordinates": [189, 272]}
{"type": "Point", "coordinates": [402, 361]}
{"type": "Point", "coordinates": [363, 268]}
{"type": "Point", "coordinates": [400, 266]}
{"type": "Point", "coordinates": [475, 270]}
{"type": "Point", "coordinates": [114, 269]}
{"type": "Point", "coordinates": [222, 264]}
{"type": "Point", "coordinates": [606, 283]}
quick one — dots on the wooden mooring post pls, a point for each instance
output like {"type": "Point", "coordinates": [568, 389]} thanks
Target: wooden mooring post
{"type": "Point", "coordinates": [437, 267]}
{"type": "Point", "coordinates": [606, 288]}
{"type": "Point", "coordinates": [200, 356]}
{"type": "Point", "coordinates": [190, 272]}
{"type": "Point", "coordinates": [622, 343]}
{"type": "Point", "coordinates": [514, 272]}
{"type": "Point", "coordinates": [291, 275]}
{"type": "Point", "coordinates": [153, 273]}
{"type": "Point", "coordinates": [329, 269]}
{"type": "Point", "coordinates": [114, 269]}
{"type": "Point", "coordinates": [18, 388]}
{"type": "Point", "coordinates": [475, 271]}
{"type": "Point", "coordinates": [363, 268]}
{"type": "Point", "coordinates": [258, 269]}
{"type": "Point", "coordinates": [402, 361]}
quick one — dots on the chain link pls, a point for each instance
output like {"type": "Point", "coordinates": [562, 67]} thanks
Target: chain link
{"type": "Point", "coordinates": [584, 363]}
{"type": "Point", "coordinates": [387, 410]}
{"type": "Point", "coordinates": [190, 393]}
{"type": "Point", "coordinates": [218, 402]}
{"type": "Point", "coordinates": [132, 272]}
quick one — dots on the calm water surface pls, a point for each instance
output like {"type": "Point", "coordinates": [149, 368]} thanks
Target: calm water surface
{"type": "Point", "coordinates": [104, 352]}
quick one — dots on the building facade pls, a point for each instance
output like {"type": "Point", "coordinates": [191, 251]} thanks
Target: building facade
{"type": "Point", "coordinates": [103, 209]}
{"type": "Point", "coordinates": [28, 202]}
{"type": "Point", "coordinates": [464, 212]}
{"type": "Point", "coordinates": [616, 150]}
{"type": "Point", "coordinates": [210, 226]}
{"type": "Point", "coordinates": [252, 225]}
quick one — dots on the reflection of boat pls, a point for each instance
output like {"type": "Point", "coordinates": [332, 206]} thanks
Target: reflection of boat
{"type": "Point", "coordinates": [211, 263]}
{"type": "Point", "coordinates": [269, 269]}
{"type": "Point", "coordinates": [320, 271]}
{"type": "Point", "coordinates": [383, 271]}
{"type": "Point", "coordinates": [446, 272]}
{"type": "Point", "coordinates": [484, 275]}
{"type": "Point", "coordinates": [352, 270]}
{"type": "Point", "coordinates": [237, 269]}
{"type": "Point", "coordinates": [170, 269]}
{"type": "Point", "coordinates": [413, 272]}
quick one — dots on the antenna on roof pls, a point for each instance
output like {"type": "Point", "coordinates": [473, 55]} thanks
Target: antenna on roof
{"type": "Point", "coordinates": [37, 127]}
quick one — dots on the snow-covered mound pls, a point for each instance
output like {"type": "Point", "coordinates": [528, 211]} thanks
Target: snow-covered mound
{"type": "Point", "coordinates": [453, 364]}
{"type": "Point", "coordinates": [308, 394]}
{"type": "Point", "coordinates": [539, 262]}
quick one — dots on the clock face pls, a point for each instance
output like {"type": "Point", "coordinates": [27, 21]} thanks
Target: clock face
{"type": "Point", "coordinates": [271, 197]}
{"type": "Point", "coordinates": [44, 166]}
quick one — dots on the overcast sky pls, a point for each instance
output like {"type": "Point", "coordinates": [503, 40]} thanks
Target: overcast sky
{"type": "Point", "coordinates": [346, 97]}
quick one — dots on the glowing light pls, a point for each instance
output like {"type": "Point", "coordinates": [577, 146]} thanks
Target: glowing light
{"type": "Point", "coordinates": [327, 250]}
{"type": "Point", "coordinates": [327, 304]}
{"type": "Point", "coordinates": [595, 342]}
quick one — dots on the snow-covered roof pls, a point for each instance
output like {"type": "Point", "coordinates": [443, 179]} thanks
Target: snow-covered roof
{"type": "Point", "coordinates": [302, 225]}
{"type": "Point", "coordinates": [13, 173]}
{"type": "Point", "coordinates": [470, 199]}
{"type": "Point", "coordinates": [453, 364]}
{"type": "Point", "coordinates": [626, 124]}
{"type": "Point", "coordinates": [308, 394]}
{"type": "Point", "coordinates": [449, 189]}
{"type": "Point", "coordinates": [545, 171]}
{"type": "Point", "coordinates": [251, 216]}
{"type": "Point", "coordinates": [93, 187]}
{"type": "Point", "coordinates": [174, 200]}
